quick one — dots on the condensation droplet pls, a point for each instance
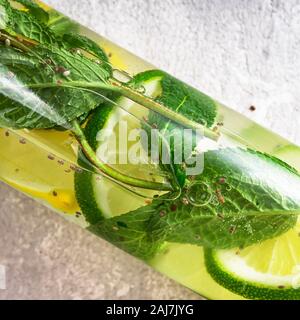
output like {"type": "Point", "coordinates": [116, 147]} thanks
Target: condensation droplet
{"type": "Point", "coordinates": [199, 194]}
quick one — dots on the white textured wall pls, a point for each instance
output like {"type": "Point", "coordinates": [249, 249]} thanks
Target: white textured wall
{"type": "Point", "coordinates": [240, 52]}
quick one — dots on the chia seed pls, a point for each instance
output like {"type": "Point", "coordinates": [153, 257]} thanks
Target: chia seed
{"type": "Point", "coordinates": [77, 214]}
{"type": "Point", "coordinates": [222, 180]}
{"type": "Point", "coordinates": [162, 213]}
{"type": "Point", "coordinates": [220, 216]}
{"type": "Point", "coordinates": [60, 69]}
{"type": "Point", "coordinates": [22, 141]}
{"type": "Point", "coordinates": [48, 61]}
{"type": "Point", "coordinates": [232, 229]}
{"type": "Point", "coordinates": [78, 170]}
{"type": "Point", "coordinates": [173, 207]}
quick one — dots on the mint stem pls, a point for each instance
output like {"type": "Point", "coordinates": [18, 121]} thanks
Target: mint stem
{"type": "Point", "coordinates": [74, 84]}
{"type": "Point", "coordinates": [141, 99]}
{"type": "Point", "coordinates": [120, 177]}
{"type": "Point", "coordinates": [137, 97]}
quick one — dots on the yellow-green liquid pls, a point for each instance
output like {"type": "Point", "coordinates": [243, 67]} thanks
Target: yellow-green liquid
{"type": "Point", "coordinates": [42, 163]}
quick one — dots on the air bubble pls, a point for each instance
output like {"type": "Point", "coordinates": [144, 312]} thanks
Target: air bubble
{"type": "Point", "coordinates": [141, 89]}
{"type": "Point", "coordinates": [67, 73]}
{"type": "Point", "coordinates": [199, 194]}
{"type": "Point", "coordinates": [215, 201]}
{"type": "Point", "coordinates": [121, 75]}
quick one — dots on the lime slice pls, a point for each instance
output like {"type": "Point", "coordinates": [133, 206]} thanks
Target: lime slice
{"type": "Point", "coordinates": [185, 264]}
{"type": "Point", "coordinates": [98, 196]}
{"type": "Point", "coordinates": [270, 270]}
{"type": "Point", "coordinates": [50, 182]}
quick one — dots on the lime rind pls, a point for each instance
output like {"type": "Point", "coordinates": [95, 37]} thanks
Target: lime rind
{"type": "Point", "coordinates": [245, 288]}
{"type": "Point", "coordinates": [83, 181]}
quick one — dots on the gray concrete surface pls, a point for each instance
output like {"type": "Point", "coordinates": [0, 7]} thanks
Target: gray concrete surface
{"type": "Point", "coordinates": [47, 257]}
{"type": "Point", "coordinates": [241, 52]}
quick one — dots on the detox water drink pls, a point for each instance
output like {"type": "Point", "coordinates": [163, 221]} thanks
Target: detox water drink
{"type": "Point", "coordinates": [222, 231]}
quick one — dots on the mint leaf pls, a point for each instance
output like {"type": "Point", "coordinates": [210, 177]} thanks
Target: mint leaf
{"type": "Point", "coordinates": [39, 63]}
{"type": "Point", "coordinates": [26, 23]}
{"type": "Point", "coordinates": [183, 99]}
{"type": "Point", "coordinates": [186, 100]}
{"type": "Point", "coordinates": [129, 232]}
{"type": "Point", "coordinates": [22, 23]}
{"type": "Point", "coordinates": [189, 102]}
{"type": "Point", "coordinates": [253, 197]}
{"type": "Point", "coordinates": [35, 10]}
{"type": "Point", "coordinates": [180, 97]}
{"type": "Point", "coordinates": [46, 65]}
{"type": "Point", "coordinates": [60, 24]}
{"type": "Point", "coordinates": [258, 199]}
{"type": "Point", "coordinates": [73, 41]}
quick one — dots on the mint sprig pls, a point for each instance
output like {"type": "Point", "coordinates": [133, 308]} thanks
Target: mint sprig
{"type": "Point", "coordinates": [253, 197]}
